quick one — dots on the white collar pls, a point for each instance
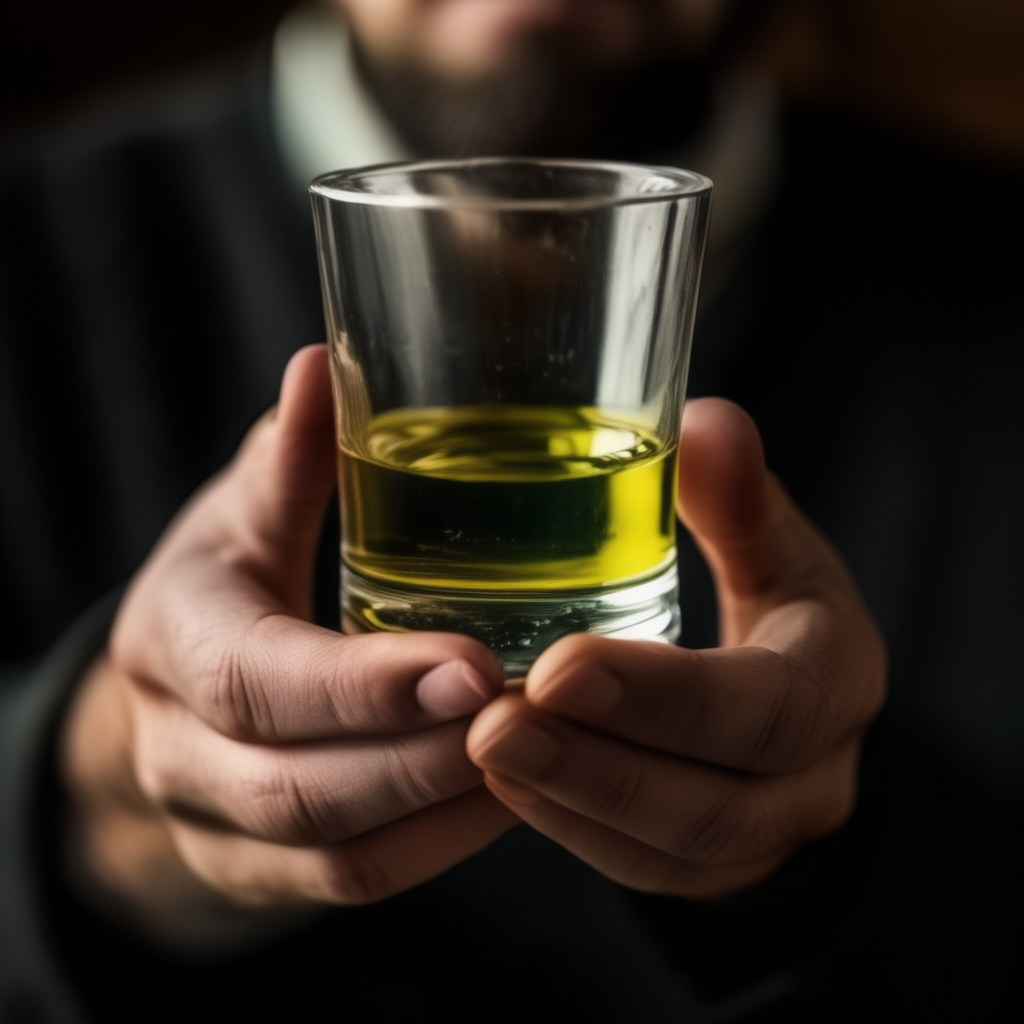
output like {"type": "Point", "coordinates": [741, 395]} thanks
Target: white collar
{"type": "Point", "coordinates": [324, 116]}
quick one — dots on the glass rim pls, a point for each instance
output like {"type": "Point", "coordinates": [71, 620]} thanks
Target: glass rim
{"type": "Point", "coordinates": [339, 185]}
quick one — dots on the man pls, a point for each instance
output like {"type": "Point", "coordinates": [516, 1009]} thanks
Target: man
{"type": "Point", "coordinates": [228, 763]}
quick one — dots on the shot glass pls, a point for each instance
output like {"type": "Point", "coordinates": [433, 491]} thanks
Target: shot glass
{"type": "Point", "coordinates": [509, 346]}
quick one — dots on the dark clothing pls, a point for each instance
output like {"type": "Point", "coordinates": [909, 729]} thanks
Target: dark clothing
{"type": "Point", "coordinates": [155, 274]}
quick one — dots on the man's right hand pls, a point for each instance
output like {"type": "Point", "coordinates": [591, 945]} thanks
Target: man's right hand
{"type": "Point", "coordinates": [229, 746]}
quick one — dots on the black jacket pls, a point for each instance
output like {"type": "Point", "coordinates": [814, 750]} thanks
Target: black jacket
{"type": "Point", "coordinates": [157, 269]}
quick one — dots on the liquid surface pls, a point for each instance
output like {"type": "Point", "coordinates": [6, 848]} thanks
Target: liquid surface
{"type": "Point", "coordinates": [507, 497]}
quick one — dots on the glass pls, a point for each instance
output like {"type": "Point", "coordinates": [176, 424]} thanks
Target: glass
{"type": "Point", "coordinates": [509, 344]}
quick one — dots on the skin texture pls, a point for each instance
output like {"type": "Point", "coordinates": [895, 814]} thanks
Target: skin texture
{"type": "Point", "coordinates": [227, 746]}
{"type": "Point", "coordinates": [227, 753]}
{"type": "Point", "coordinates": [699, 772]}
{"type": "Point", "coordinates": [227, 756]}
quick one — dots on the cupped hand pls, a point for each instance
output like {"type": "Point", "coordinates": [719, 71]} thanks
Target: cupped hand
{"type": "Point", "coordinates": [280, 762]}
{"type": "Point", "coordinates": [697, 772]}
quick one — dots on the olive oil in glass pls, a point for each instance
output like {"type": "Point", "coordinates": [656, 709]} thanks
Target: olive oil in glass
{"type": "Point", "coordinates": [512, 506]}
{"type": "Point", "coordinates": [509, 345]}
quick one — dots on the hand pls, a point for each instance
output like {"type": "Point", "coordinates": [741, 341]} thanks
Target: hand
{"type": "Point", "coordinates": [228, 741]}
{"type": "Point", "coordinates": [698, 772]}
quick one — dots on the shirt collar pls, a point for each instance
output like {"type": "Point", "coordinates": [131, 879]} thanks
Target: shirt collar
{"type": "Point", "coordinates": [324, 115]}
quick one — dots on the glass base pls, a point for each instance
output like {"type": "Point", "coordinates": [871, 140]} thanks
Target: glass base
{"type": "Point", "coordinates": [516, 626]}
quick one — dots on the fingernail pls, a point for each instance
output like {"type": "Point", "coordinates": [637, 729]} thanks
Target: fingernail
{"type": "Point", "coordinates": [522, 749]}
{"type": "Point", "coordinates": [592, 694]}
{"type": "Point", "coordinates": [452, 690]}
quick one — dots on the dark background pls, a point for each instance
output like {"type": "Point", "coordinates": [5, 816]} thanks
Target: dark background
{"type": "Point", "coordinates": [947, 71]}
{"type": "Point", "coordinates": [945, 878]}
{"type": "Point", "coordinates": [60, 54]}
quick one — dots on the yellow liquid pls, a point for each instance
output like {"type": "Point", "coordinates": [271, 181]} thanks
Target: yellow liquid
{"type": "Point", "coordinates": [508, 498]}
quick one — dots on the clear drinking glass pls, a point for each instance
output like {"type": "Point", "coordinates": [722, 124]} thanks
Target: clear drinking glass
{"type": "Point", "coordinates": [509, 344]}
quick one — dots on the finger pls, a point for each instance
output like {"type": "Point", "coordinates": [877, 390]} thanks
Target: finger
{"type": "Point", "coordinates": [302, 793]}
{"type": "Point", "coordinates": [760, 548]}
{"type": "Point", "coordinates": [272, 510]}
{"type": "Point", "coordinates": [620, 857]}
{"type": "Point", "coordinates": [811, 670]}
{"type": "Point", "coordinates": [215, 638]}
{"type": "Point", "coordinates": [213, 617]}
{"type": "Point", "coordinates": [278, 679]}
{"type": "Point", "coordinates": [684, 808]}
{"type": "Point", "coordinates": [775, 708]}
{"type": "Point", "coordinates": [368, 868]}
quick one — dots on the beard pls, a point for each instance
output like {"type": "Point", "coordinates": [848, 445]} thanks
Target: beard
{"type": "Point", "coordinates": [546, 105]}
{"type": "Point", "coordinates": [542, 108]}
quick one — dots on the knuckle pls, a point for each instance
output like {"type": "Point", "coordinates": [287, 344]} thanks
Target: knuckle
{"type": "Point", "coordinates": [290, 812]}
{"type": "Point", "coordinates": [759, 827]}
{"type": "Point", "coordinates": [714, 836]}
{"type": "Point", "coordinates": [428, 767]}
{"type": "Point", "coordinates": [235, 699]}
{"type": "Point", "coordinates": [352, 692]}
{"type": "Point", "coordinates": [411, 786]}
{"type": "Point", "coordinates": [619, 794]}
{"type": "Point", "coordinates": [682, 710]}
{"type": "Point", "coordinates": [796, 723]}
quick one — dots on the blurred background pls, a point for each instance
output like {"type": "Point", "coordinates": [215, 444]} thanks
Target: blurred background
{"type": "Point", "coordinates": [932, 91]}
{"type": "Point", "coordinates": [948, 71]}
{"type": "Point", "coordinates": [58, 55]}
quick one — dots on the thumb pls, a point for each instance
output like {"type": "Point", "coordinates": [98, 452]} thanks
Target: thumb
{"type": "Point", "coordinates": [286, 470]}
{"type": "Point", "coordinates": [760, 549]}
